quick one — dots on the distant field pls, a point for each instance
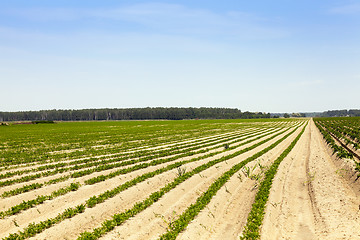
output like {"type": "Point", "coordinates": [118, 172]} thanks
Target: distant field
{"type": "Point", "coordinates": [188, 179]}
{"type": "Point", "coordinates": [49, 142]}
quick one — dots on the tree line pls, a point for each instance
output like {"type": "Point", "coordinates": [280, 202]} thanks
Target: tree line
{"type": "Point", "coordinates": [131, 114]}
{"type": "Point", "coordinates": [342, 113]}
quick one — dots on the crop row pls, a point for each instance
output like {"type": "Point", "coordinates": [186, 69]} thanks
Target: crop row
{"type": "Point", "coordinates": [43, 225]}
{"type": "Point", "coordinates": [128, 170]}
{"type": "Point", "coordinates": [39, 200]}
{"type": "Point", "coordinates": [341, 132]}
{"type": "Point", "coordinates": [352, 126]}
{"type": "Point", "coordinates": [71, 140]}
{"type": "Point", "coordinates": [161, 161]}
{"type": "Point", "coordinates": [256, 215]}
{"type": "Point", "coordinates": [106, 167]}
{"type": "Point", "coordinates": [33, 186]}
{"type": "Point", "coordinates": [118, 219]}
{"type": "Point", "coordinates": [114, 157]}
{"type": "Point", "coordinates": [340, 151]}
{"type": "Point", "coordinates": [192, 211]}
{"type": "Point", "coordinates": [335, 132]}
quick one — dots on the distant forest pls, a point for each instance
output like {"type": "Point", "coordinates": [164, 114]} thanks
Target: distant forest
{"type": "Point", "coordinates": [342, 113]}
{"type": "Point", "coordinates": [130, 114]}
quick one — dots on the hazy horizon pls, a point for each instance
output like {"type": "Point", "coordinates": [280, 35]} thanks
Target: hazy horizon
{"type": "Point", "coordinates": [276, 56]}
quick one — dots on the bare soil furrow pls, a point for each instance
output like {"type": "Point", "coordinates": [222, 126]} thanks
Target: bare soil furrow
{"type": "Point", "coordinates": [72, 199]}
{"type": "Point", "coordinates": [309, 199]}
{"type": "Point", "coordinates": [226, 214]}
{"type": "Point", "coordinates": [7, 188]}
{"type": "Point", "coordinates": [337, 202]}
{"type": "Point", "coordinates": [11, 201]}
{"type": "Point", "coordinates": [144, 148]}
{"type": "Point", "coordinates": [154, 221]}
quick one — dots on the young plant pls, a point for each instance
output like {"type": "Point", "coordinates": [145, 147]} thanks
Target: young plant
{"type": "Point", "coordinates": [181, 171]}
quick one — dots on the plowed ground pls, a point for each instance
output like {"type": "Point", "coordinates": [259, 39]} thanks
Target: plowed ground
{"type": "Point", "coordinates": [313, 196]}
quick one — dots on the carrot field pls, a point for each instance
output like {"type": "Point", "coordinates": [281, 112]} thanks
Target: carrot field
{"type": "Point", "coordinates": [188, 179]}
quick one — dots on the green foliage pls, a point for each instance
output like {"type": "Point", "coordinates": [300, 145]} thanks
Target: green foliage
{"type": "Point", "coordinates": [100, 165]}
{"type": "Point", "coordinates": [23, 189]}
{"type": "Point", "coordinates": [161, 161]}
{"type": "Point", "coordinates": [34, 228]}
{"type": "Point", "coordinates": [181, 171]}
{"type": "Point", "coordinates": [50, 143]}
{"type": "Point", "coordinates": [190, 213]}
{"type": "Point", "coordinates": [118, 219]}
{"type": "Point", "coordinates": [128, 152]}
{"type": "Point", "coordinates": [131, 114]}
{"type": "Point", "coordinates": [39, 200]}
{"type": "Point", "coordinates": [333, 132]}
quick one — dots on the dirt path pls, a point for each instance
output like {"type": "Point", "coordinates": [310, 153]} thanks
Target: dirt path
{"type": "Point", "coordinates": [309, 199]}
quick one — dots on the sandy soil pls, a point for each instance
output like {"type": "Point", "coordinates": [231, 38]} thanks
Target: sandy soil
{"type": "Point", "coordinates": [82, 179]}
{"type": "Point", "coordinates": [164, 146]}
{"type": "Point", "coordinates": [115, 155]}
{"type": "Point", "coordinates": [310, 198]}
{"type": "Point", "coordinates": [91, 216]}
{"type": "Point", "coordinates": [11, 201]}
{"type": "Point", "coordinates": [153, 221]}
{"type": "Point", "coordinates": [226, 214]}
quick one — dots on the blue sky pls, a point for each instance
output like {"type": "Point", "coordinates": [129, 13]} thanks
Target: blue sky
{"type": "Point", "coordinates": [270, 56]}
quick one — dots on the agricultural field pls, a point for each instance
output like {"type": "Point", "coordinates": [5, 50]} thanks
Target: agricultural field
{"type": "Point", "coordinates": [188, 179]}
